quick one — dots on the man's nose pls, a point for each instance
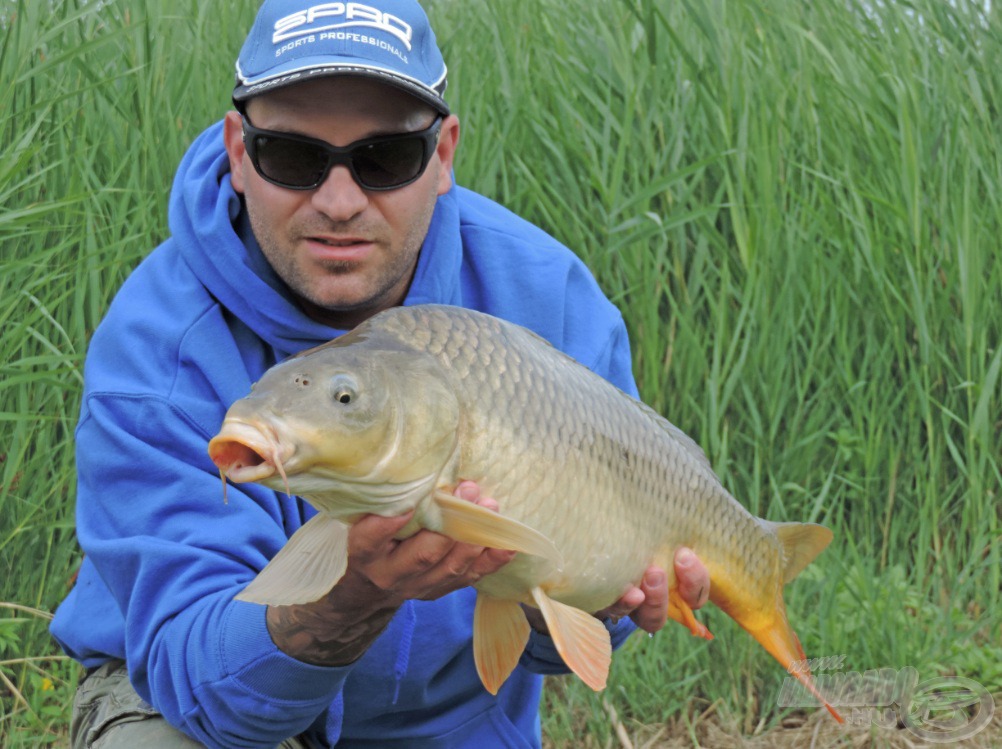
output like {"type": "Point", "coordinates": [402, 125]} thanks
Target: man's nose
{"type": "Point", "coordinates": [339, 197]}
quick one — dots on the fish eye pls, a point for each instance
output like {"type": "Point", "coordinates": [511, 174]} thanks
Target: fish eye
{"type": "Point", "coordinates": [343, 389]}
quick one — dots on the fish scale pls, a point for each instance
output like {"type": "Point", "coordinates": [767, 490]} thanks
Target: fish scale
{"type": "Point", "coordinates": [593, 485]}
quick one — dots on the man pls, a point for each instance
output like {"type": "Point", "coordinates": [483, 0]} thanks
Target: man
{"type": "Point", "coordinates": [327, 197]}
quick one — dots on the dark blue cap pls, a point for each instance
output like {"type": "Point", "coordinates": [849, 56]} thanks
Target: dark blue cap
{"type": "Point", "coordinates": [293, 41]}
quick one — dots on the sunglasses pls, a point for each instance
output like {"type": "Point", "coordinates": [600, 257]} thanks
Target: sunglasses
{"type": "Point", "coordinates": [297, 162]}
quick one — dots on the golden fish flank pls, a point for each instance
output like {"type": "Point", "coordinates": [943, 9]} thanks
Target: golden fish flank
{"type": "Point", "coordinates": [593, 485]}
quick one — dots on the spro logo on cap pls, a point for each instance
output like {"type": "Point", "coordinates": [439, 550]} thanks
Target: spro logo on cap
{"type": "Point", "coordinates": [353, 14]}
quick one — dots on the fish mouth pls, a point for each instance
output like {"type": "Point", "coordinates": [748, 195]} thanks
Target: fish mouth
{"type": "Point", "coordinates": [244, 452]}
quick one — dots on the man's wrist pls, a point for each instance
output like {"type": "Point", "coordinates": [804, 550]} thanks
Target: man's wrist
{"type": "Point", "coordinates": [326, 634]}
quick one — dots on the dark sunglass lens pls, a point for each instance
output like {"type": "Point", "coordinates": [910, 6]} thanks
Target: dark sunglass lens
{"type": "Point", "coordinates": [290, 162]}
{"type": "Point", "coordinates": [389, 164]}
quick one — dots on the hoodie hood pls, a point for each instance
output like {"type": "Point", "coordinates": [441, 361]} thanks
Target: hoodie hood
{"type": "Point", "coordinates": [213, 233]}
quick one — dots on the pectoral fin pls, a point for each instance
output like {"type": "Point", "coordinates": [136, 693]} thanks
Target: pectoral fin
{"type": "Point", "coordinates": [581, 639]}
{"type": "Point", "coordinates": [500, 632]}
{"type": "Point", "coordinates": [472, 524]}
{"type": "Point", "coordinates": [306, 568]}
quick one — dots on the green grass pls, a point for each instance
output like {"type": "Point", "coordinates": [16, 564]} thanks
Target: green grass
{"type": "Point", "coordinates": [797, 207]}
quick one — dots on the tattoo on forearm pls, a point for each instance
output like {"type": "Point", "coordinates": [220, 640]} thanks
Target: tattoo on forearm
{"type": "Point", "coordinates": [323, 636]}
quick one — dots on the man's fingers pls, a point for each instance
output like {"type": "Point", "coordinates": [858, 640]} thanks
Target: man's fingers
{"type": "Point", "coordinates": [426, 551]}
{"type": "Point", "coordinates": [470, 491]}
{"type": "Point", "coordinates": [373, 535]}
{"type": "Point", "coordinates": [491, 560]}
{"type": "Point", "coordinates": [627, 603]}
{"type": "Point", "coordinates": [462, 567]}
{"type": "Point", "coordinates": [693, 578]}
{"type": "Point", "coordinates": [652, 614]}
{"type": "Point", "coordinates": [655, 588]}
{"type": "Point", "coordinates": [427, 564]}
{"type": "Point", "coordinates": [646, 605]}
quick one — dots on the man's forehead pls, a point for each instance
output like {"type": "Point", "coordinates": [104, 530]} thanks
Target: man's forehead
{"type": "Point", "coordinates": [345, 95]}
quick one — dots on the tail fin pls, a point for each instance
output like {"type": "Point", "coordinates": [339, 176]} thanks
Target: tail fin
{"type": "Point", "coordinates": [765, 620]}
{"type": "Point", "coordinates": [783, 645]}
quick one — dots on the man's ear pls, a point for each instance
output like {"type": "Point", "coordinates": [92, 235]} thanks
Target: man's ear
{"type": "Point", "coordinates": [448, 141]}
{"type": "Point", "coordinates": [233, 138]}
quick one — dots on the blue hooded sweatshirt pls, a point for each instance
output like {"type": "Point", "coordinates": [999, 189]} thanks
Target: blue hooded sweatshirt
{"type": "Point", "coordinates": [200, 319]}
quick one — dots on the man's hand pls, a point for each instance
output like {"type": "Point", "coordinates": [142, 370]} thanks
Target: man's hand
{"type": "Point", "coordinates": [425, 566]}
{"type": "Point", "coordinates": [647, 605]}
{"type": "Point", "coordinates": [382, 573]}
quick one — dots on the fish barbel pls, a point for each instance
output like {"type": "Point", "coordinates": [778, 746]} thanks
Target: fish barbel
{"type": "Point", "coordinates": [593, 485]}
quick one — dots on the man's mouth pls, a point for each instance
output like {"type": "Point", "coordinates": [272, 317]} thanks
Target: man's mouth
{"type": "Point", "coordinates": [339, 242]}
{"type": "Point", "coordinates": [340, 249]}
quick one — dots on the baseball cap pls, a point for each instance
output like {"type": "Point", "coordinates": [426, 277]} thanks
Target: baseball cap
{"type": "Point", "coordinates": [293, 41]}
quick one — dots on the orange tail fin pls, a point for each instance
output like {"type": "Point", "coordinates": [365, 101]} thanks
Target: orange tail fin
{"type": "Point", "coordinates": [783, 645]}
{"type": "Point", "coordinates": [801, 543]}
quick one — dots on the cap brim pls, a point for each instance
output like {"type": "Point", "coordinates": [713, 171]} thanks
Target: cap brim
{"type": "Point", "coordinates": [304, 71]}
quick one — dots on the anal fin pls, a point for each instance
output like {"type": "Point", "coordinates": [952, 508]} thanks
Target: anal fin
{"type": "Point", "coordinates": [679, 610]}
{"type": "Point", "coordinates": [306, 568]}
{"type": "Point", "coordinates": [500, 631]}
{"type": "Point", "coordinates": [473, 524]}
{"type": "Point", "coordinates": [581, 639]}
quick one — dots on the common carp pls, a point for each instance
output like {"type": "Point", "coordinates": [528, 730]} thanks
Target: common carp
{"type": "Point", "coordinates": [593, 485]}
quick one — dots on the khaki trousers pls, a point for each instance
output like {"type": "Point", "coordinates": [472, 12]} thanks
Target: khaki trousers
{"type": "Point", "coordinates": [109, 714]}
